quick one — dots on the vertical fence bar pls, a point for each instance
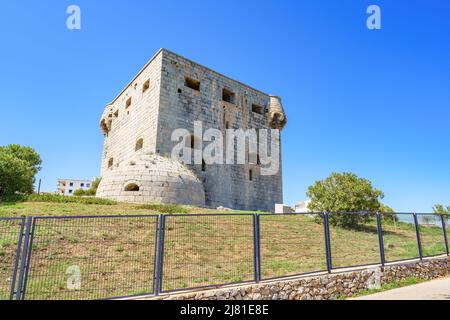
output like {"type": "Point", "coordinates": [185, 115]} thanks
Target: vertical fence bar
{"type": "Point", "coordinates": [24, 258]}
{"type": "Point", "coordinates": [256, 248]}
{"type": "Point", "coordinates": [419, 243]}
{"type": "Point", "coordinates": [155, 257]}
{"type": "Point", "coordinates": [27, 267]}
{"type": "Point", "coordinates": [327, 241]}
{"type": "Point", "coordinates": [380, 239]}
{"type": "Point", "coordinates": [16, 263]}
{"type": "Point", "coordinates": [444, 229]}
{"type": "Point", "coordinates": [159, 268]}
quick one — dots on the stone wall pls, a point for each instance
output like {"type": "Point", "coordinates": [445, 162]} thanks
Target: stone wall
{"type": "Point", "coordinates": [126, 124]}
{"type": "Point", "coordinates": [324, 286]}
{"type": "Point", "coordinates": [225, 185]}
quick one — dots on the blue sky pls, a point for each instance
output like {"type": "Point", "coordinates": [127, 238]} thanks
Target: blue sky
{"type": "Point", "coordinates": [376, 103]}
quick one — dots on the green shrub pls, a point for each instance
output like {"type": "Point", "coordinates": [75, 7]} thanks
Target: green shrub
{"type": "Point", "coordinates": [84, 193]}
{"type": "Point", "coordinates": [345, 192]}
{"type": "Point", "coordinates": [164, 208]}
{"type": "Point", "coordinates": [91, 192]}
{"type": "Point", "coordinates": [18, 166]}
{"type": "Point", "coordinates": [64, 199]}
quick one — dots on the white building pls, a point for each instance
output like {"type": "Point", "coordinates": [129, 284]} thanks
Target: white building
{"type": "Point", "coordinates": [302, 206]}
{"type": "Point", "coordinates": [67, 187]}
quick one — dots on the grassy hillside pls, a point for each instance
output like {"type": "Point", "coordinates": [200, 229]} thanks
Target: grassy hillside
{"type": "Point", "coordinates": [53, 205]}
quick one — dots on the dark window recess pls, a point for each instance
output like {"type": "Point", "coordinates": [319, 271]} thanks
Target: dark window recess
{"type": "Point", "coordinates": [146, 86]}
{"type": "Point", "coordinates": [191, 142]}
{"type": "Point", "coordinates": [128, 103]}
{"type": "Point", "coordinates": [250, 175]}
{"type": "Point", "coordinates": [257, 109]}
{"type": "Point", "coordinates": [192, 83]}
{"type": "Point", "coordinates": [139, 144]}
{"type": "Point", "coordinates": [131, 187]}
{"type": "Point", "coordinates": [228, 95]}
{"type": "Point", "coordinates": [110, 162]}
{"type": "Point", "coordinates": [180, 91]}
{"type": "Point", "coordinates": [203, 165]}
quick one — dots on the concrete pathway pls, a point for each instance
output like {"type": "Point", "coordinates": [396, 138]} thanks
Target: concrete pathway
{"type": "Point", "coordinates": [432, 290]}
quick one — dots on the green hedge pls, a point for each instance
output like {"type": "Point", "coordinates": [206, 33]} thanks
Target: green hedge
{"type": "Point", "coordinates": [56, 198]}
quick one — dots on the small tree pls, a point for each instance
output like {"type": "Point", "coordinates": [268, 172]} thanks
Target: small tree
{"type": "Point", "coordinates": [27, 154]}
{"type": "Point", "coordinates": [441, 210]}
{"type": "Point", "coordinates": [18, 166]}
{"type": "Point", "coordinates": [345, 192]}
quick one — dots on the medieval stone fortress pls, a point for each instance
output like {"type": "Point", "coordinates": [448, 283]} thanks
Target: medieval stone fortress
{"type": "Point", "coordinates": [172, 92]}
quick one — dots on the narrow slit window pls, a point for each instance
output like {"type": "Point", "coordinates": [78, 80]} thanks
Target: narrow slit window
{"type": "Point", "coordinates": [203, 165]}
{"type": "Point", "coordinates": [192, 83]}
{"type": "Point", "coordinates": [250, 175]}
{"type": "Point", "coordinates": [128, 103]}
{"type": "Point", "coordinates": [146, 86]}
{"type": "Point", "coordinates": [139, 145]}
{"type": "Point", "coordinates": [191, 142]}
{"type": "Point", "coordinates": [110, 162]}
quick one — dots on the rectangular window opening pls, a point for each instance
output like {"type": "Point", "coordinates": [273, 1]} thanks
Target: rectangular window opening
{"type": "Point", "coordinates": [257, 109]}
{"type": "Point", "coordinates": [228, 95]}
{"type": "Point", "coordinates": [146, 86]}
{"type": "Point", "coordinates": [128, 103]}
{"type": "Point", "coordinates": [192, 83]}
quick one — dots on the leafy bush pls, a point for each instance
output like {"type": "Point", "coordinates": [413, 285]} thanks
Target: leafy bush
{"type": "Point", "coordinates": [441, 210]}
{"type": "Point", "coordinates": [387, 213]}
{"type": "Point", "coordinates": [164, 208]}
{"type": "Point", "coordinates": [91, 192]}
{"type": "Point", "coordinates": [345, 192]}
{"type": "Point", "coordinates": [64, 199]}
{"type": "Point", "coordinates": [18, 166]}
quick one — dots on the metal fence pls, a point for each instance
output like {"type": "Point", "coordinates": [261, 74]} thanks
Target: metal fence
{"type": "Point", "coordinates": [11, 230]}
{"type": "Point", "coordinates": [101, 257]}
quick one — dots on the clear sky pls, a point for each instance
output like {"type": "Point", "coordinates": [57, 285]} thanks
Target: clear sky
{"type": "Point", "coordinates": [374, 102]}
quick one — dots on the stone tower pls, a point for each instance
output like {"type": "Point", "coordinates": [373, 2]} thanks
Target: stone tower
{"type": "Point", "coordinates": [172, 92]}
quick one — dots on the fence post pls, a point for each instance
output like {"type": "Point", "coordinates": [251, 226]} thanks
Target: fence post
{"type": "Point", "coordinates": [444, 229]}
{"type": "Point", "coordinates": [160, 255]}
{"type": "Point", "coordinates": [327, 241]}
{"type": "Point", "coordinates": [256, 248]}
{"type": "Point", "coordinates": [155, 257]}
{"type": "Point", "coordinates": [16, 263]}
{"type": "Point", "coordinates": [380, 239]}
{"type": "Point", "coordinates": [419, 243]}
{"type": "Point", "coordinates": [23, 262]}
